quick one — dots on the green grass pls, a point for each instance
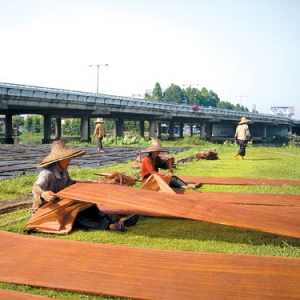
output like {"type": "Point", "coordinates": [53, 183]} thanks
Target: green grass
{"type": "Point", "coordinates": [181, 234]}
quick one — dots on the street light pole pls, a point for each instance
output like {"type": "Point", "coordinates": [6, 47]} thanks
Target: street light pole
{"type": "Point", "coordinates": [241, 98]}
{"type": "Point", "coordinates": [98, 66]}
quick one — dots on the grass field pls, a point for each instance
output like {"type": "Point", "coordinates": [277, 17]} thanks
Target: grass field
{"type": "Point", "coordinates": [181, 234]}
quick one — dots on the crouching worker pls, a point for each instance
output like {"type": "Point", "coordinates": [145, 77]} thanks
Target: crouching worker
{"type": "Point", "coordinates": [152, 162]}
{"type": "Point", "coordinates": [53, 178]}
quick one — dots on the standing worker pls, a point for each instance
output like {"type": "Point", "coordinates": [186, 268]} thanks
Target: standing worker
{"type": "Point", "coordinates": [100, 131]}
{"type": "Point", "coordinates": [242, 136]}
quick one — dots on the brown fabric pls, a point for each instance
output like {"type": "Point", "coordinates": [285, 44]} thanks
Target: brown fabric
{"type": "Point", "coordinates": [238, 181]}
{"type": "Point", "coordinates": [13, 295]}
{"type": "Point", "coordinates": [209, 155]}
{"type": "Point", "coordinates": [173, 205]}
{"type": "Point", "coordinates": [145, 273]}
{"type": "Point", "coordinates": [245, 198]}
{"type": "Point", "coordinates": [158, 183]}
{"type": "Point", "coordinates": [118, 178]}
{"type": "Point", "coordinates": [57, 217]}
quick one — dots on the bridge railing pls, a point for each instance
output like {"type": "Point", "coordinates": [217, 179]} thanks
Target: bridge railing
{"type": "Point", "coordinates": [19, 90]}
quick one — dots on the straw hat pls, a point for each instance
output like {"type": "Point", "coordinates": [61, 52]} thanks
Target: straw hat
{"type": "Point", "coordinates": [99, 120]}
{"type": "Point", "coordinates": [155, 146]}
{"type": "Point", "coordinates": [59, 151]}
{"type": "Point", "coordinates": [244, 120]}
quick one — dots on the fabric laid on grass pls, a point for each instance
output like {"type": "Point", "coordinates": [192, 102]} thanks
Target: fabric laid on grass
{"type": "Point", "coordinates": [13, 295]}
{"type": "Point", "coordinates": [245, 198]}
{"type": "Point", "coordinates": [57, 217]}
{"type": "Point", "coordinates": [145, 273]}
{"type": "Point", "coordinates": [158, 183]}
{"type": "Point", "coordinates": [238, 181]}
{"type": "Point", "coordinates": [281, 222]}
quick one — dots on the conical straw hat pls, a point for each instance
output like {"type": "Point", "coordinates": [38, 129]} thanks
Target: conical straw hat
{"type": "Point", "coordinates": [155, 146]}
{"type": "Point", "coordinates": [99, 120]}
{"type": "Point", "coordinates": [244, 120]}
{"type": "Point", "coordinates": [59, 151]}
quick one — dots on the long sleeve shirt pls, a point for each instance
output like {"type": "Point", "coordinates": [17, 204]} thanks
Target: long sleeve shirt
{"type": "Point", "coordinates": [100, 130]}
{"type": "Point", "coordinates": [49, 179]}
{"type": "Point", "coordinates": [150, 165]}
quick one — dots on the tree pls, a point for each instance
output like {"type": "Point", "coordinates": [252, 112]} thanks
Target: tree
{"type": "Point", "coordinates": [17, 120]}
{"type": "Point", "coordinates": [225, 105]}
{"type": "Point", "coordinates": [34, 124]}
{"type": "Point", "coordinates": [213, 99]}
{"type": "Point", "coordinates": [157, 94]}
{"type": "Point", "coordinates": [173, 94]}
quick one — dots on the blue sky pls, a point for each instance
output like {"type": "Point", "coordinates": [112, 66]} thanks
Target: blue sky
{"type": "Point", "coordinates": [246, 48]}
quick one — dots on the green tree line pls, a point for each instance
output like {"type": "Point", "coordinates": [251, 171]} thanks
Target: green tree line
{"type": "Point", "coordinates": [191, 96]}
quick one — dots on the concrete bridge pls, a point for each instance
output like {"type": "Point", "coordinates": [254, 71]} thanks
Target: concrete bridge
{"type": "Point", "coordinates": [215, 124]}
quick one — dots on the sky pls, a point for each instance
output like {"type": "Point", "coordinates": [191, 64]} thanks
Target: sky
{"type": "Point", "coordinates": [246, 51]}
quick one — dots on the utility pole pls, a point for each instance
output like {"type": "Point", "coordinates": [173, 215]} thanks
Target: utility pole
{"type": "Point", "coordinates": [98, 66]}
{"type": "Point", "coordinates": [241, 97]}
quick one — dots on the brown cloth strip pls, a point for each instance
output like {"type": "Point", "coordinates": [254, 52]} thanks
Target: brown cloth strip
{"type": "Point", "coordinates": [145, 273]}
{"type": "Point", "coordinates": [245, 198]}
{"type": "Point", "coordinates": [277, 222]}
{"type": "Point", "coordinates": [238, 181]}
{"type": "Point", "coordinates": [13, 295]}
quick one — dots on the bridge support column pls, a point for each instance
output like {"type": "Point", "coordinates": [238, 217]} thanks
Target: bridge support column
{"type": "Point", "coordinates": [171, 130]}
{"type": "Point", "coordinates": [191, 130]}
{"type": "Point", "coordinates": [142, 128]}
{"type": "Point", "coordinates": [159, 130]}
{"type": "Point", "coordinates": [47, 129]}
{"type": "Point", "coordinates": [119, 127]}
{"type": "Point", "coordinates": [265, 132]}
{"type": "Point", "coordinates": [85, 129]}
{"type": "Point", "coordinates": [181, 130]}
{"type": "Point", "coordinates": [202, 131]}
{"type": "Point", "coordinates": [208, 131]}
{"type": "Point", "coordinates": [57, 128]}
{"type": "Point", "coordinates": [8, 129]}
{"type": "Point", "coordinates": [151, 129]}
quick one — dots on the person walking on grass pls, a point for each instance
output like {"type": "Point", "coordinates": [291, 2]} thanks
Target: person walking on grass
{"type": "Point", "coordinates": [241, 137]}
{"type": "Point", "coordinates": [100, 132]}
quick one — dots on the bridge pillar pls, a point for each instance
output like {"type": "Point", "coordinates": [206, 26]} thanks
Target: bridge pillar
{"type": "Point", "coordinates": [191, 130]}
{"type": "Point", "coordinates": [152, 129]}
{"type": "Point", "coordinates": [202, 131]}
{"type": "Point", "coordinates": [171, 130]}
{"type": "Point", "coordinates": [119, 127]}
{"type": "Point", "coordinates": [159, 130]}
{"type": "Point", "coordinates": [142, 128]}
{"type": "Point", "coordinates": [47, 129]}
{"type": "Point", "coordinates": [85, 129]}
{"type": "Point", "coordinates": [181, 130]}
{"type": "Point", "coordinates": [208, 131]}
{"type": "Point", "coordinates": [265, 132]}
{"type": "Point", "coordinates": [8, 129]}
{"type": "Point", "coordinates": [57, 128]}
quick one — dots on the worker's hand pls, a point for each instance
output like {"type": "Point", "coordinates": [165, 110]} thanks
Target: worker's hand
{"type": "Point", "coordinates": [48, 196]}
